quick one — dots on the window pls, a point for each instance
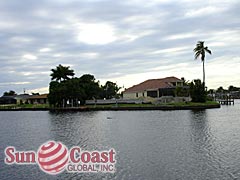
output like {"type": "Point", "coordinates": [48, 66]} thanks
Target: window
{"type": "Point", "coordinates": [152, 94]}
{"type": "Point", "coordinates": [136, 94]}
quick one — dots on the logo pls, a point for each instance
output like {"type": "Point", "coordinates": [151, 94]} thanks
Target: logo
{"type": "Point", "coordinates": [54, 157]}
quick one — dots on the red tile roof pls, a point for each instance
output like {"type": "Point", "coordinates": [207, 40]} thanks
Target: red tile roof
{"type": "Point", "coordinates": [153, 84]}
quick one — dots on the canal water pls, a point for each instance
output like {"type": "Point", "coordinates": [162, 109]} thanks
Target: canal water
{"type": "Point", "coordinates": [174, 145]}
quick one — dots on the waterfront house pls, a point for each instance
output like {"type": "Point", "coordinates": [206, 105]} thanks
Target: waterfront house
{"type": "Point", "coordinates": [22, 98]}
{"type": "Point", "coordinates": [7, 100]}
{"type": "Point", "coordinates": [154, 88]}
{"type": "Point", "coordinates": [38, 99]}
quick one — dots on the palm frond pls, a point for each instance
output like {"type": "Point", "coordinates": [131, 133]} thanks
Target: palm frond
{"type": "Point", "coordinates": [200, 50]}
{"type": "Point", "coordinates": [197, 54]}
{"type": "Point", "coordinates": [207, 50]}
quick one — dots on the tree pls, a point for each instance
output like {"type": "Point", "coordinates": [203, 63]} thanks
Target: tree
{"type": "Point", "coordinates": [233, 88]}
{"type": "Point", "coordinates": [210, 91]}
{"type": "Point", "coordinates": [73, 90]}
{"type": "Point", "coordinates": [10, 93]}
{"type": "Point", "coordinates": [220, 90]}
{"type": "Point", "coordinates": [90, 86]}
{"type": "Point", "coordinates": [61, 73]}
{"type": "Point", "coordinates": [182, 91]}
{"type": "Point", "coordinates": [197, 93]}
{"type": "Point", "coordinates": [200, 51]}
{"type": "Point", "coordinates": [54, 96]}
{"type": "Point", "coordinates": [110, 89]}
{"type": "Point", "coordinates": [185, 82]}
{"type": "Point", "coordinates": [67, 91]}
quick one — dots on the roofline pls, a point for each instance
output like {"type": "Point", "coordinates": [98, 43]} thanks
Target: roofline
{"type": "Point", "coordinates": [125, 91]}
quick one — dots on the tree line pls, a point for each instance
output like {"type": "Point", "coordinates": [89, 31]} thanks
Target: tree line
{"type": "Point", "coordinates": [65, 89]}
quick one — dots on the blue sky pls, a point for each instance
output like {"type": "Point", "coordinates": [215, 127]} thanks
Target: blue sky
{"type": "Point", "coordinates": [125, 41]}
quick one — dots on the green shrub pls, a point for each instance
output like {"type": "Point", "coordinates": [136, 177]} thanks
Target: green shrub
{"type": "Point", "coordinates": [197, 91]}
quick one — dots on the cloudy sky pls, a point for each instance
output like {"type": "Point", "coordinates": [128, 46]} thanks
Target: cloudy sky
{"type": "Point", "coordinates": [125, 41]}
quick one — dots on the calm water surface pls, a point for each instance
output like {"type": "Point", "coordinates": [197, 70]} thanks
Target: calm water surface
{"type": "Point", "coordinates": [150, 144]}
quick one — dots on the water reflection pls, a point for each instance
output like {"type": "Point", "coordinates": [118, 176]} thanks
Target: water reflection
{"type": "Point", "coordinates": [201, 136]}
{"type": "Point", "coordinates": [74, 128]}
{"type": "Point", "coordinates": [207, 154]}
{"type": "Point", "coordinates": [84, 129]}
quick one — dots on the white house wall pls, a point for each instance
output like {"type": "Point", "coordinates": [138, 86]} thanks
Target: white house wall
{"type": "Point", "coordinates": [134, 95]}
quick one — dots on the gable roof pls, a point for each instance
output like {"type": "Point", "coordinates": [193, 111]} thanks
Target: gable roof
{"type": "Point", "coordinates": [153, 84]}
{"type": "Point", "coordinates": [22, 96]}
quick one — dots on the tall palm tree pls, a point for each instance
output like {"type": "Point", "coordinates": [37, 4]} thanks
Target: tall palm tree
{"type": "Point", "coordinates": [200, 51]}
{"type": "Point", "coordinates": [61, 73]}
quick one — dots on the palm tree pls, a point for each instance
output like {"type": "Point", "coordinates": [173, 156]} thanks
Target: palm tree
{"type": "Point", "coordinates": [200, 51]}
{"type": "Point", "coordinates": [61, 73]}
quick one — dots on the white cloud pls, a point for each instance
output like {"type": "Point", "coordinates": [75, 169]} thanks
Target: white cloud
{"type": "Point", "coordinates": [226, 37]}
{"type": "Point", "coordinates": [41, 13]}
{"type": "Point", "coordinates": [141, 19]}
{"type": "Point", "coordinates": [29, 57]}
{"type": "Point", "coordinates": [95, 34]}
{"type": "Point", "coordinates": [7, 24]}
{"type": "Point", "coordinates": [13, 83]}
{"type": "Point", "coordinates": [181, 36]}
{"type": "Point", "coordinates": [171, 50]}
{"type": "Point", "coordinates": [30, 73]}
{"type": "Point", "coordinates": [148, 3]}
{"type": "Point", "coordinates": [41, 90]}
{"type": "Point", "coordinates": [45, 50]}
{"type": "Point", "coordinates": [19, 39]}
{"type": "Point", "coordinates": [90, 55]}
{"type": "Point", "coordinates": [57, 55]}
{"type": "Point", "coordinates": [128, 37]}
{"type": "Point", "coordinates": [204, 11]}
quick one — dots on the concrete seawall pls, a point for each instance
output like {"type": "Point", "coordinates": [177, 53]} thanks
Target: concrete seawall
{"type": "Point", "coordinates": [118, 108]}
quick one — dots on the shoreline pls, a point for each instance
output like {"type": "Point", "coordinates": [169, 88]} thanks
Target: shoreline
{"type": "Point", "coordinates": [132, 108]}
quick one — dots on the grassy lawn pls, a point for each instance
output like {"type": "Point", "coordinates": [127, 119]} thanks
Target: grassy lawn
{"type": "Point", "coordinates": [12, 106]}
{"type": "Point", "coordinates": [120, 105]}
{"type": "Point", "coordinates": [180, 104]}
{"type": "Point", "coordinates": [193, 103]}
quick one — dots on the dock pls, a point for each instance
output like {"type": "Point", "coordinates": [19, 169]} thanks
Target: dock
{"type": "Point", "coordinates": [227, 101]}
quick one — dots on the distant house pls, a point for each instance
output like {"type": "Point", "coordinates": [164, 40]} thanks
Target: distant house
{"type": "Point", "coordinates": [7, 100]}
{"type": "Point", "coordinates": [38, 99]}
{"type": "Point", "coordinates": [22, 98]}
{"type": "Point", "coordinates": [154, 88]}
